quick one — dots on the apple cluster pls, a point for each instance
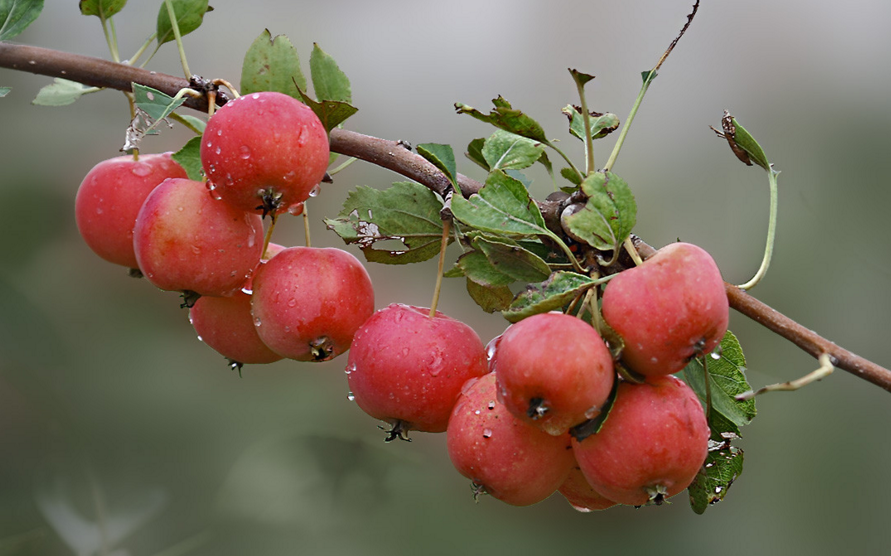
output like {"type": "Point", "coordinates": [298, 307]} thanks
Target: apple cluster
{"type": "Point", "coordinates": [512, 411]}
{"type": "Point", "coordinates": [262, 154]}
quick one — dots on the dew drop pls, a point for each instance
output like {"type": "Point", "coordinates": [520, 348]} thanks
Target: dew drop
{"type": "Point", "coordinates": [142, 170]}
{"type": "Point", "coordinates": [350, 368]}
{"type": "Point", "coordinates": [219, 150]}
{"type": "Point", "coordinates": [257, 321]}
{"type": "Point", "coordinates": [716, 354]}
{"type": "Point", "coordinates": [200, 339]}
{"type": "Point", "coordinates": [582, 509]}
{"type": "Point", "coordinates": [351, 397]}
{"type": "Point", "coordinates": [245, 152]}
{"type": "Point", "coordinates": [247, 290]}
{"type": "Point", "coordinates": [314, 192]}
{"type": "Point", "coordinates": [491, 405]}
{"type": "Point", "coordinates": [477, 412]}
{"type": "Point", "coordinates": [296, 209]}
{"type": "Point", "coordinates": [593, 412]}
{"type": "Point", "coordinates": [255, 96]}
{"type": "Point", "coordinates": [487, 433]}
{"type": "Point", "coordinates": [292, 302]}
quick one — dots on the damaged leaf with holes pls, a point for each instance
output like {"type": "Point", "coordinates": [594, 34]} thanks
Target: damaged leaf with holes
{"type": "Point", "coordinates": [722, 466]}
{"type": "Point", "coordinates": [398, 225]}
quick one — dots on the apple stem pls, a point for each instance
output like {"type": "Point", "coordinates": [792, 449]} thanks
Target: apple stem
{"type": "Point", "coordinates": [771, 232]}
{"type": "Point", "coordinates": [306, 226]}
{"type": "Point", "coordinates": [174, 25]}
{"type": "Point", "coordinates": [272, 220]}
{"type": "Point", "coordinates": [228, 85]}
{"type": "Point", "coordinates": [632, 251]}
{"type": "Point", "coordinates": [822, 372]}
{"type": "Point", "coordinates": [446, 231]}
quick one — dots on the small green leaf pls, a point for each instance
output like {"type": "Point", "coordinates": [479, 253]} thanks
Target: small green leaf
{"type": "Point", "coordinates": [571, 175]}
{"type": "Point", "coordinates": [195, 124]}
{"type": "Point", "coordinates": [505, 117]}
{"type": "Point", "coordinates": [189, 157]}
{"type": "Point", "coordinates": [608, 216]}
{"type": "Point", "coordinates": [62, 92]}
{"type": "Point", "coordinates": [601, 124]}
{"type": "Point", "coordinates": [101, 8]}
{"type": "Point", "coordinates": [504, 150]}
{"type": "Point", "coordinates": [502, 206]}
{"type": "Point", "coordinates": [512, 259]}
{"type": "Point", "coordinates": [406, 214]}
{"type": "Point", "coordinates": [490, 299]}
{"type": "Point", "coordinates": [4, 91]}
{"type": "Point", "coordinates": [441, 156]}
{"type": "Point", "coordinates": [328, 81]}
{"type": "Point", "coordinates": [551, 295]}
{"type": "Point", "coordinates": [475, 153]}
{"type": "Point", "coordinates": [648, 75]}
{"type": "Point", "coordinates": [745, 141]}
{"type": "Point", "coordinates": [272, 64]}
{"type": "Point", "coordinates": [189, 16]}
{"type": "Point", "coordinates": [476, 267]}
{"type": "Point", "coordinates": [722, 466]}
{"type": "Point", "coordinates": [153, 102]}
{"type": "Point", "coordinates": [546, 162]}
{"type": "Point", "coordinates": [727, 379]}
{"type": "Point", "coordinates": [579, 77]}
{"type": "Point", "coordinates": [332, 113]}
{"type": "Point", "coordinates": [17, 15]}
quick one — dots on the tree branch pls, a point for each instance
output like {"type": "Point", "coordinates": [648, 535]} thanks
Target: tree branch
{"type": "Point", "coordinates": [394, 156]}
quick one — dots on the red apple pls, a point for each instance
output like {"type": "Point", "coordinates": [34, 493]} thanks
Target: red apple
{"type": "Point", "coordinates": [109, 198]}
{"type": "Point", "coordinates": [668, 310]}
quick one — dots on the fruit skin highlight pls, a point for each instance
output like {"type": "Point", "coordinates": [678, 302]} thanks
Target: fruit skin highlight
{"type": "Point", "coordinates": [651, 446]}
{"type": "Point", "coordinates": [554, 371]}
{"type": "Point", "coordinates": [109, 198]}
{"type": "Point", "coordinates": [264, 152]}
{"type": "Point", "coordinates": [308, 302]}
{"type": "Point", "coordinates": [186, 240]}
{"type": "Point", "coordinates": [407, 368]}
{"type": "Point", "coordinates": [668, 310]}
{"type": "Point", "coordinates": [504, 457]}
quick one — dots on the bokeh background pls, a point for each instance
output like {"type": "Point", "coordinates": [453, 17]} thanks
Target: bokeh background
{"type": "Point", "coordinates": [116, 423]}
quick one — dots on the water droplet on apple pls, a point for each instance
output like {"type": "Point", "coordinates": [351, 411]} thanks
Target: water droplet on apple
{"type": "Point", "coordinates": [350, 368]}
{"type": "Point", "coordinates": [292, 302]}
{"type": "Point", "coordinates": [245, 152]}
{"type": "Point", "coordinates": [491, 405]}
{"type": "Point", "coordinates": [314, 192]}
{"type": "Point", "coordinates": [296, 209]}
{"type": "Point", "coordinates": [487, 433]}
{"type": "Point", "coordinates": [142, 170]}
{"type": "Point", "coordinates": [351, 397]}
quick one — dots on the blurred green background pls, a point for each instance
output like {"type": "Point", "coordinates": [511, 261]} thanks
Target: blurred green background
{"type": "Point", "coordinates": [112, 412]}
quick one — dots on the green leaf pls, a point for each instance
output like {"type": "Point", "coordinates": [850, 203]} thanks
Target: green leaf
{"type": "Point", "coordinates": [504, 150]}
{"type": "Point", "coordinates": [546, 162]}
{"type": "Point", "coordinates": [502, 206]}
{"type": "Point", "coordinates": [189, 16]}
{"type": "Point", "coordinates": [475, 153]}
{"type": "Point", "coordinates": [505, 117]}
{"type": "Point", "coordinates": [490, 299]}
{"type": "Point", "coordinates": [498, 261]}
{"type": "Point", "coordinates": [153, 102]}
{"type": "Point", "coordinates": [328, 81]}
{"type": "Point", "coordinates": [571, 175]}
{"type": "Point", "coordinates": [609, 214]}
{"type": "Point", "coordinates": [579, 77]}
{"type": "Point", "coordinates": [189, 157]}
{"type": "Point", "coordinates": [101, 8]}
{"type": "Point", "coordinates": [722, 466]}
{"type": "Point", "coordinates": [272, 64]}
{"type": "Point", "coordinates": [62, 92]}
{"type": "Point", "coordinates": [551, 295]}
{"type": "Point", "coordinates": [441, 156]}
{"type": "Point", "coordinates": [4, 91]}
{"type": "Point", "coordinates": [601, 124]}
{"type": "Point", "coordinates": [745, 140]}
{"type": "Point", "coordinates": [727, 379]}
{"type": "Point", "coordinates": [195, 124]}
{"type": "Point", "coordinates": [406, 214]}
{"type": "Point", "coordinates": [332, 113]}
{"type": "Point", "coordinates": [17, 15]}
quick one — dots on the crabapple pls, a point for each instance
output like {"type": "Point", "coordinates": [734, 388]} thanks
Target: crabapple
{"type": "Point", "coordinates": [581, 495]}
{"type": "Point", "coordinates": [651, 445]}
{"type": "Point", "coordinates": [668, 310]}
{"type": "Point", "coordinates": [407, 368]}
{"type": "Point", "coordinates": [186, 240]}
{"type": "Point", "coordinates": [264, 152]}
{"type": "Point", "coordinates": [554, 371]}
{"type": "Point", "coordinates": [308, 302]}
{"type": "Point", "coordinates": [109, 198]}
{"type": "Point", "coordinates": [226, 325]}
{"type": "Point", "coordinates": [512, 461]}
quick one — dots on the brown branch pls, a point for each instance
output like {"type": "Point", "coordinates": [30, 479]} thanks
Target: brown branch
{"type": "Point", "coordinates": [393, 156]}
